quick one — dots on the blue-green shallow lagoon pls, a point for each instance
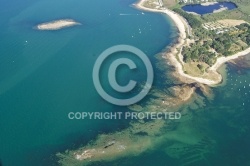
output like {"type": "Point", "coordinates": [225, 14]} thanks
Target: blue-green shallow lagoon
{"type": "Point", "coordinates": [45, 78]}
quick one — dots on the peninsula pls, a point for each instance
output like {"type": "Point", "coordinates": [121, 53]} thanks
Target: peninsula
{"type": "Point", "coordinates": [200, 49]}
{"type": "Point", "coordinates": [57, 24]}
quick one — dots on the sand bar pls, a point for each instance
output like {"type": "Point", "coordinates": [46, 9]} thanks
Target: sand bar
{"type": "Point", "coordinates": [57, 24]}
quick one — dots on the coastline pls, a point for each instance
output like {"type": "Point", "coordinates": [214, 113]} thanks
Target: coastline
{"type": "Point", "coordinates": [220, 61]}
{"type": "Point", "coordinates": [170, 55]}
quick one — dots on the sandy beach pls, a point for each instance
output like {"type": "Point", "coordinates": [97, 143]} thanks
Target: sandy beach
{"type": "Point", "coordinates": [220, 10]}
{"type": "Point", "coordinates": [194, 13]}
{"type": "Point", "coordinates": [208, 3]}
{"type": "Point", "coordinates": [222, 60]}
{"type": "Point", "coordinates": [57, 24]}
{"type": "Point", "coordinates": [171, 55]}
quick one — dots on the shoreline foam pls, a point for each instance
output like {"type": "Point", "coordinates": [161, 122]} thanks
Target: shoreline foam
{"type": "Point", "coordinates": [170, 55]}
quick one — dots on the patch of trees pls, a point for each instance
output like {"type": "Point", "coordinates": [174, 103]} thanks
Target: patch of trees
{"type": "Point", "coordinates": [224, 44]}
{"type": "Point", "coordinates": [192, 20]}
{"type": "Point", "coordinates": [201, 67]}
{"type": "Point", "coordinates": [198, 53]}
{"type": "Point", "coordinates": [245, 35]}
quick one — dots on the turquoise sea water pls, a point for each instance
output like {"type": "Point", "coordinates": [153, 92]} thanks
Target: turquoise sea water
{"type": "Point", "coordinates": [50, 75]}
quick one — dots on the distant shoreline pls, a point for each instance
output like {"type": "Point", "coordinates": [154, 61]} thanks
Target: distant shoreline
{"type": "Point", "coordinates": [171, 54]}
{"type": "Point", "coordinates": [57, 24]}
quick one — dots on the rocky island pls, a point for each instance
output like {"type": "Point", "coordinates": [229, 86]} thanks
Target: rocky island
{"type": "Point", "coordinates": [57, 24]}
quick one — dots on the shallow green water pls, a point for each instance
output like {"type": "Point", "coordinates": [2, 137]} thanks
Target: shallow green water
{"type": "Point", "coordinates": [211, 132]}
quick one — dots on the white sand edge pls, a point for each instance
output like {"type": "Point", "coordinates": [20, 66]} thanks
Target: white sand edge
{"type": "Point", "coordinates": [208, 3]}
{"type": "Point", "coordinates": [57, 24]}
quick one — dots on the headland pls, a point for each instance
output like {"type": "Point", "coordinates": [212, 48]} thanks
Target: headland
{"type": "Point", "coordinates": [174, 54]}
